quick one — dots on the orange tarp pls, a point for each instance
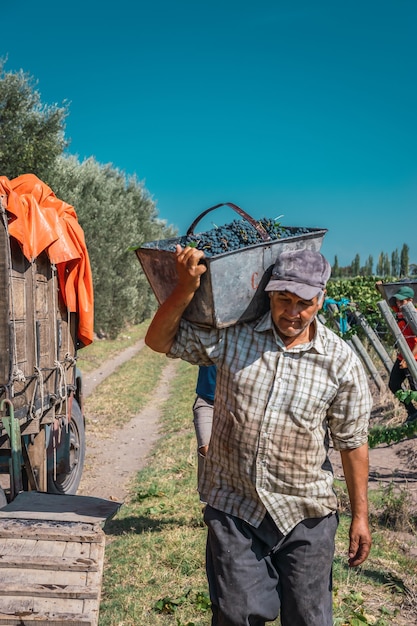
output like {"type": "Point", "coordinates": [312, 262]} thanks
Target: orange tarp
{"type": "Point", "coordinates": [40, 221]}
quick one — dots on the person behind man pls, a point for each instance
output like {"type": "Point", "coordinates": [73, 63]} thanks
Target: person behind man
{"type": "Point", "coordinates": [203, 416]}
{"type": "Point", "coordinates": [400, 371]}
{"type": "Point", "coordinates": [285, 383]}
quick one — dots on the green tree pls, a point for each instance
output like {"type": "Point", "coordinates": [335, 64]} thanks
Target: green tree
{"type": "Point", "coordinates": [31, 133]}
{"type": "Point", "coordinates": [395, 263]}
{"type": "Point", "coordinates": [404, 260]}
{"type": "Point", "coordinates": [356, 265]}
{"type": "Point", "coordinates": [116, 213]}
{"type": "Point", "coordinates": [387, 265]}
{"type": "Point", "coordinates": [380, 264]}
{"type": "Point", "coordinates": [335, 268]}
{"type": "Point", "coordinates": [369, 266]}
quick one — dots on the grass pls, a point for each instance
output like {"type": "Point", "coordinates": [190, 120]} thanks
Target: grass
{"type": "Point", "coordinates": [126, 391]}
{"type": "Point", "coordinates": [154, 571]}
{"type": "Point", "coordinates": [159, 535]}
{"type": "Point", "coordinates": [92, 356]}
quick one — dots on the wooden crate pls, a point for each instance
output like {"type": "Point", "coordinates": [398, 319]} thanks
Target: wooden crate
{"type": "Point", "coordinates": [52, 559]}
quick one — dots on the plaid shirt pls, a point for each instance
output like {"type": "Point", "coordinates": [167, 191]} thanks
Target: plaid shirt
{"type": "Point", "coordinates": [273, 412]}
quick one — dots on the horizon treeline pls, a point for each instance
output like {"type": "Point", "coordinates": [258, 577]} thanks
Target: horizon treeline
{"type": "Point", "coordinates": [397, 265]}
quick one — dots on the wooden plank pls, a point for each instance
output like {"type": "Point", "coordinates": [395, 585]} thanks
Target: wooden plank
{"type": "Point", "coordinates": [94, 578]}
{"type": "Point", "coordinates": [31, 529]}
{"type": "Point", "coordinates": [15, 546]}
{"type": "Point", "coordinates": [66, 564]}
{"type": "Point", "coordinates": [25, 616]}
{"type": "Point", "coordinates": [97, 551]}
{"type": "Point", "coordinates": [374, 340]}
{"type": "Point", "coordinates": [49, 591]}
{"type": "Point", "coordinates": [77, 549]}
{"type": "Point", "coordinates": [63, 606]}
{"type": "Point", "coordinates": [16, 605]}
{"type": "Point", "coordinates": [49, 548]}
{"type": "Point", "coordinates": [47, 577]}
{"type": "Point", "coordinates": [44, 611]}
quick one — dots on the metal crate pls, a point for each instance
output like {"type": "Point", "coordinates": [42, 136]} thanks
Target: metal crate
{"type": "Point", "coordinates": [232, 289]}
{"type": "Point", "coordinates": [387, 290]}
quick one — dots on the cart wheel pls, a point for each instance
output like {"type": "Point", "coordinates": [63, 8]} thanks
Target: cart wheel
{"type": "Point", "coordinates": [66, 478]}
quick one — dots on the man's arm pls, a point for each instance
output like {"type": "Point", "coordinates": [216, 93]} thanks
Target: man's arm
{"type": "Point", "coordinates": [356, 470]}
{"type": "Point", "coordinates": [163, 328]}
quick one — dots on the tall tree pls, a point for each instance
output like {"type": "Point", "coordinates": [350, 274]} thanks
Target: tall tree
{"type": "Point", "coordinates": [380, 265]}
{"type": "Point", "coordinates": [116, 213]}
{"type": "Point", "coordinates": [31, 133]}
{"type": "Point", "coordinates": [369, 266]}
{"type": "Point", "coordinates": [335, 268]}
{"type": "Point", "coordinates": [356, 265]}
{"type": "Point", "coordinates": [387, 265]}
{"type": "Point", "coordinates": [404, 262]}
{"type": "Point", "coordinates": [395, 263]}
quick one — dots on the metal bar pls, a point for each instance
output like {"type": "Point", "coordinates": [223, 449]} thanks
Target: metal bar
{"type": "Point", "coordinates": [12, 427]}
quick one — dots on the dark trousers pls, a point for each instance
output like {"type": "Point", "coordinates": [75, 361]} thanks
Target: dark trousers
{"type": "Point", "coordinates": [256, 574]}
{"type": "Point", "coordinates": [395, 383]}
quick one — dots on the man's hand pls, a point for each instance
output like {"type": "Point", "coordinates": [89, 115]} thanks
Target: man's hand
{"type": "Point", "coordinates": [189, 268]}
{"type": "Point", "coordinates": [359, 542]}
{"type": "Point", "coordinates": [164, 326]}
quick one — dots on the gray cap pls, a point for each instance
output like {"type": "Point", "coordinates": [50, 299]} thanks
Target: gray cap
{"type": "Point", "coordinates": [302, 272]}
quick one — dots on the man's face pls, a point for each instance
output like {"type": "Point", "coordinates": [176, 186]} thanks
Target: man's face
{"type": "Point", "coordinates": [400, 303]}
{"type": "Point", "coordinates": [293, 315]}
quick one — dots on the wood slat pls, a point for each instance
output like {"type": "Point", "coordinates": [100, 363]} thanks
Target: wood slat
{"type": "Point", "coordinates": [49, 591]}
{"type": "Point", "coordinates": [78, 564]}
{"type": "Point", "coordinates": [24, 577]}
{"type": "Point", "coordinates": [47, 619]}
{"type": "Point", "coordinates": [50, 531]}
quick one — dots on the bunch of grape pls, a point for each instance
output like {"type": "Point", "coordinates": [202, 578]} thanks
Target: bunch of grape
{"type": "Point", "coordinates": [238, 234]}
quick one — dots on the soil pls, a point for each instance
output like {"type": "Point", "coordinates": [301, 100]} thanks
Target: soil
{"type": "Point", "coordinates": [110, 467]}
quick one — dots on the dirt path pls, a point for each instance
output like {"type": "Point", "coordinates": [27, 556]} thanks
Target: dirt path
{"type": "Point", "coordinates": [111, 464]}
{"type": "Point", "coordinates": [389, 464]}
{"type": "Point", "coordinates": [94, 378]}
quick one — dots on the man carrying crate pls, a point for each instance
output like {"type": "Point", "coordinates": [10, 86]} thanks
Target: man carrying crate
{"type": "Point", "coordinates": [284, 384]}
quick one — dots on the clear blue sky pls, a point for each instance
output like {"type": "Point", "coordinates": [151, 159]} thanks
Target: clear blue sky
{"type": "Point", "coordinates": [301, 108]}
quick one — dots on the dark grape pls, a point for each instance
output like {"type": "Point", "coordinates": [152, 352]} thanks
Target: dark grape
{"type": "Point", "coordinates": [234, 236]}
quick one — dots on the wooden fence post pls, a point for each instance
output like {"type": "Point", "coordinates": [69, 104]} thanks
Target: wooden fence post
{"type": "Point", "coordinates": [399, 338]}
{"type": "Point", "coordinates": [410, 315]}
{"type": "Point", "coordinates": [374, 340]}
{"type": "Point", "coordinates": [357, 346]}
